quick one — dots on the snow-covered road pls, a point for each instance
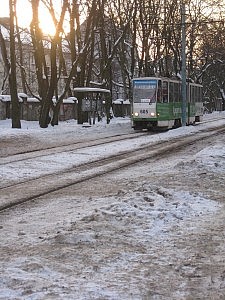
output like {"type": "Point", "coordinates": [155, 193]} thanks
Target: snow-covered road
{"type": "Point", "coordinates": [148, 232]}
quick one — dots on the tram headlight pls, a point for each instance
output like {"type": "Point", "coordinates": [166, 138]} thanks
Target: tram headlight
{"type": "Point", "coordinates": [136, 114]}
{"type": "Point", "coordinates": [152, 114]}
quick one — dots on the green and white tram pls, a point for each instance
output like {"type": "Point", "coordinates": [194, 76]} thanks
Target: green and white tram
{"type": "Point", "coordinates": [157, 103]}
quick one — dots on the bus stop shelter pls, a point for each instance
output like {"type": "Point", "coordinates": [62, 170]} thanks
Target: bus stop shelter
{"type": "Point", "coordinates": [92, 103]}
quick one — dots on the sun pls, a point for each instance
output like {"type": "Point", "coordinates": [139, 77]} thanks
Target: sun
{"type": "Point", "coordinates": [45, 20]}
{"type": "Point", "coordinates": [46, 23]}
{"type": "Point", "coordinates": [24, 15]}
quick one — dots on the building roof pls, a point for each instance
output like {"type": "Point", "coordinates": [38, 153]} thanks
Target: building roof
{"type": "Point", "coordinates": [90, 90]}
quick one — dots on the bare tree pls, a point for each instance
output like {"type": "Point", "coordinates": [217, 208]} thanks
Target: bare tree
{"type": "Point", "coordinates": [213, 62]}
{"type": "Point", "coordinates": [5, 58]}
{"type": "Point", "coordinates": [47, 82]}
{"type": "Point", "coordinates": [12, 75]}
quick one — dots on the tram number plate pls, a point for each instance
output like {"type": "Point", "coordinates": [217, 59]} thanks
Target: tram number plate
{"type": "Point", "coordinates": [144, 111]}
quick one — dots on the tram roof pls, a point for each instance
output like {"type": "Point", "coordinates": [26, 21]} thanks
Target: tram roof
{"type": "Point", "coordinates": [166, 79]}
{"type": "Point", "coordinates": [157, 78]}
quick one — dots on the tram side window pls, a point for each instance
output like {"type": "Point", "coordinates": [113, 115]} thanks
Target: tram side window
{"type": "Point", "coordinates": [165, 92]}
{"type": "Point", "coordinates": [176, 92]}
{"type": "Point", "coordinates": [195, 95]}
{"type": "Point", "coordinates": [199, 94]}
{"type": "Point", "coordinates": [159, 92]}
{"type": "Point", "coordinates": [188, 93]}
{"type": "Point", "coordinates": [171, 91]}
{"type": "Point", "coordinates": [181, 91]}
{"type": "Point", "coordinates": [191, 94]}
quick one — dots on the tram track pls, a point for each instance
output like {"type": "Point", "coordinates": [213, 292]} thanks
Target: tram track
{"type": "Point", "coordinates": [42, 186]}
{"type": "Point", "coordinates": [31, 154]}
{"type": "Point", "coordinates": [70, 148]}
{"type": "Point", "coordinates": [35, 153]}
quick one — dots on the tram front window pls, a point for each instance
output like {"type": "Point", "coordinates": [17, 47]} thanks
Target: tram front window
{"type": "Point", "coordinates": [144, 95]}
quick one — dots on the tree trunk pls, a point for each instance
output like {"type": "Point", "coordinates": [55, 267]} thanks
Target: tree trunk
{"type": "Point", "coordinates": [12, 77]}
{"type": "Point", "coordinates": [44, 118]}
{"type": "Point", "coordinates": [21, 59]}
{"type": "Point", "coordinates": [5, 59]}
{"type": "Point", "coordinates": [55, 117]}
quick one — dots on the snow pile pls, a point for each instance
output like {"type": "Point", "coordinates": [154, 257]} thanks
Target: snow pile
{"type": "Point", "coordinates": [148, 212]}
{"type": "Point", "coordinates": [212, 158]}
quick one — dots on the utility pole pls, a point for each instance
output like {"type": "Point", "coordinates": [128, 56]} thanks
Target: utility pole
{"type": "Point", "coordinates": [183, 67]}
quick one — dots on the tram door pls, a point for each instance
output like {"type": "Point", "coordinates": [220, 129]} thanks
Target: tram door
{"type": "Point", "coordinates": [189, 103]}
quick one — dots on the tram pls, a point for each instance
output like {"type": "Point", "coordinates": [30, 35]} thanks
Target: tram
{"type": "Point", "coordinates": [157, 103]}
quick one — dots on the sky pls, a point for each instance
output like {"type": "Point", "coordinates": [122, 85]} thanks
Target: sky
{"type": "Point", "coordinates": [82, 266]}
{"type": "Point", "coordinates": [25, 13]}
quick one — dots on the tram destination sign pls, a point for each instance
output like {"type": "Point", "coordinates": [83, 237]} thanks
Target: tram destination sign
{"type": "Point", "coordinates": [145, 84]}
